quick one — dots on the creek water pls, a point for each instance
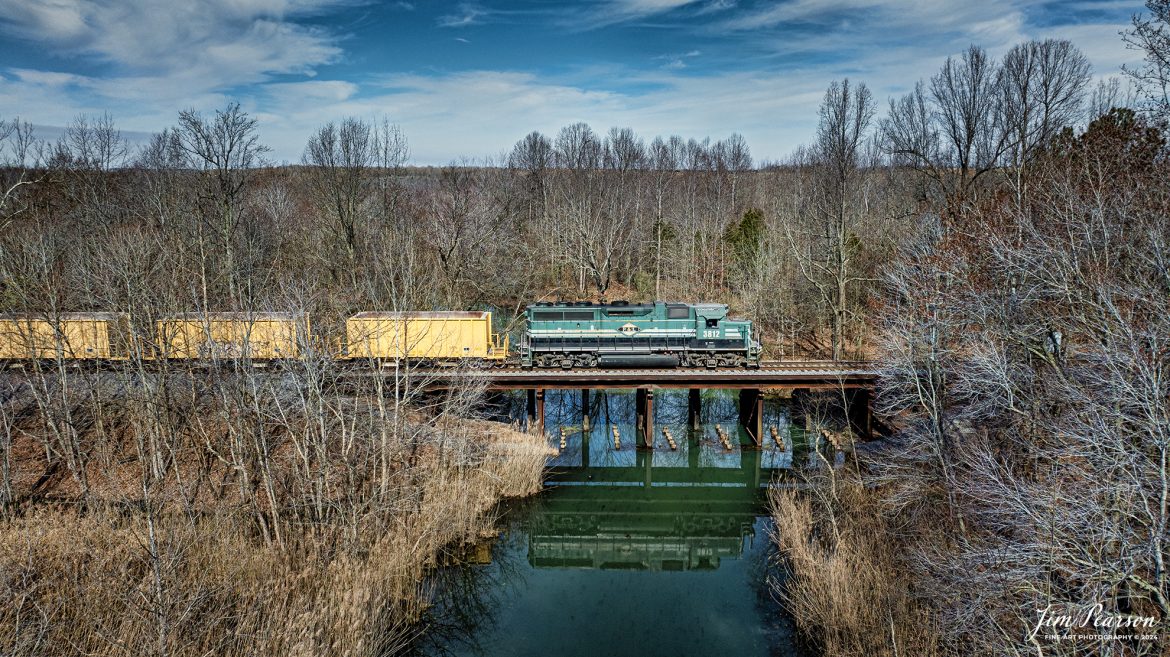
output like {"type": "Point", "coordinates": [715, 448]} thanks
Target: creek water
{"type": "Point", "coordinates": [629, 551]}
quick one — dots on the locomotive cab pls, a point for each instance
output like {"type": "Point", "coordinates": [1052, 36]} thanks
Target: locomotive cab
{"type": "Point", "coordinates": [707, 318]}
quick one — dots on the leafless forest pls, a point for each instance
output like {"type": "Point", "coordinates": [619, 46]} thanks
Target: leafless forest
{"type": "Point", "coordinates": [997, 240]}
{"type": "Point", "coordinates": [1021, 328]}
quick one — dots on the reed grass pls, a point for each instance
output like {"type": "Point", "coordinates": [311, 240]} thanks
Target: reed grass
{"type": "Point", "coordinates": [845, 588]}
{"type": "Point", "coordinates": [153, 578]}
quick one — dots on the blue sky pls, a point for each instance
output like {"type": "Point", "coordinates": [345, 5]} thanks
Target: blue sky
{"type": "Point", "coordinates": [468, 79]}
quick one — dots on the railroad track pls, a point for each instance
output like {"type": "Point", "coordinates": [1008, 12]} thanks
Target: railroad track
{"type": "Point", "coordinates": [764, 369]}
{"type": "Point", "coordinates": [769, 374]}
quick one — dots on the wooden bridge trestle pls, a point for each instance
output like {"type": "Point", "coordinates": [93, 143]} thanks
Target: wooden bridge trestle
{"type": "Point", "coordinates": [854, 379]}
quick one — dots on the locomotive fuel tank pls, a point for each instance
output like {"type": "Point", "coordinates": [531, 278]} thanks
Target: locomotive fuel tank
{"type": "Point", "coordinates": [639, 360]}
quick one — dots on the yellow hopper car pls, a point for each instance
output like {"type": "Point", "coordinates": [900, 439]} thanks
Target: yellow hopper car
{"type": "Point", "coordinates": [232, 335]}
{"type": "Point", "coordinates": [71, 336]}
{"type": "Point", "coordinates": [446, 336]}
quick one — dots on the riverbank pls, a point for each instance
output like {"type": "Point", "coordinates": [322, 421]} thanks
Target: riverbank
{"type": "Point", "coordinates": [874, 572]}
{"type": "Point", "coordinates": [846, 590]}
{"type": "Point", "coordinates": [310, 553]}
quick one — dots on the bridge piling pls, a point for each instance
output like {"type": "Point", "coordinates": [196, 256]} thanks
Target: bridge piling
{"type": "Point", "coordinates": [645, 461]}
{"type": "Point", "coordinates": [536, 408]}
{"type": "Point", "coordinates": [749, 461]}
{"type": "Point", "coordinates": [776, 438]}
{"type": "Point", "coordinates": [722, 435]}
{"type": "Point", "coordinates": [540, 408]}
{"type": "Point", "coordinates": [644, 408]}
{"type": "Point", "coordinates": [694, 408]}
{"type": "Point", "coordinates": [669, 439]}
{"type": "Point", "coordinates": [860, 411]}
{"type": "Point", "coordinates": [751, 414]}
{"type": "Point", "coordinates": [585, 409]}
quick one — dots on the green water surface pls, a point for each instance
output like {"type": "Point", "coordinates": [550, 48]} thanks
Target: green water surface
{"type": "Point", "coordinates": [628, 551]}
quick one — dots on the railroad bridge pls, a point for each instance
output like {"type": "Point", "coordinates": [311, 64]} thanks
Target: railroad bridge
{"type": "Point", "coordinates": [855, 380]}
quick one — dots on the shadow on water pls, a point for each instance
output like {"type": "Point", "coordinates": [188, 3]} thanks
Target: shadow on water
{"type": "Point", "coordinates": [629, 551]}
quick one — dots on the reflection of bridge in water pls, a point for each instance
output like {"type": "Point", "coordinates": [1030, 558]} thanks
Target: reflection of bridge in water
{"type": "Point", "coordinates": [646, 517]}
{"type": "Point", "coordinates": [632, 549]}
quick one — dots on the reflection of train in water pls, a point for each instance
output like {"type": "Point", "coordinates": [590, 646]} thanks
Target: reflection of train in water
{"type": "Point", "coordinates": [684, 522]}
{"type": "Point", "coordinates": [554, 543]}
{"type": "Point", "coordinates": [564, 335]}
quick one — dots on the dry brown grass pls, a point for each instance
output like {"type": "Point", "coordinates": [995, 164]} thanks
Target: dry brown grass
{"type": "Point", "coordinates": [95, 583]}
{"type": "Point", "coordinates": [846, 590]}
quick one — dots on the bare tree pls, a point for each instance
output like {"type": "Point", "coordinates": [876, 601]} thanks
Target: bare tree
{"type": "Point", "coordinates": [533, 155]}
{"type": "Point", "coordinates": [1107, 95]}
{"type": "Point", "coordinates": [94, 143]}
{"type": "Point", "coordinates": [625, 158]}
{"type": "Point", "coordinates": [1151, 35]}
{"type": "Point", "coordinates": [664, 166]}
{"type": "Point", "coordinates": [340, 157]}
{"type": "Point", "coordinates": [459, 227]}
{"type": "Point", "coordinates": [163, 184]}
{"type": "Point", "coordinates": [955, 131]}
{"type": "Point", "coordinates": [16, 142]}
{"type": "Point", "coordinates": [392, 150]}
{"type": "Point", "coordinates": [590, 233]}
{"type": "Point", "coordinates": [624, 150]}
{"type": "Point", "coordinates": [226, 149]}
{"type": "Point", "coordinates": [1043, 90]}
{"type": "Point", "coordinates": [578, 148]}
{"type": "Point", "coordinates": [839, 202]}
{"type": "Point", "coordinates": [1021, 355]}
{"type": "Point", "coordinates": [739, 161]}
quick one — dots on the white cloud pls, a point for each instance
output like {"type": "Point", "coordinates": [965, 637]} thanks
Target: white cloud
{"type": "Point", "coordinates": [481, 113]}
{"type": "Point", "coordinates": [163, 58]}
{"type": "Point", "coordinates": [716, 6]}
{"type": "Point", "coordinates": [1101, 43]}
{"type": "Point", "coordinates": [643, 7]}
{"type": "Point", "coordinates": [52, 20]}
{"type": "Point", "coordinates": [468, 14]}
{"type": "Point", "coordinates": [880, 15]}
{"type": "Point", "coordinates": [678, 61]}
{"type": "Point", "coordinates": [315, 91]}
{"type": "Point", "coordinates": [208, 44]}
{"type": "Point", "coordinates": [619, 11]}
{"type": "Point", "coordinates": [191, 59]}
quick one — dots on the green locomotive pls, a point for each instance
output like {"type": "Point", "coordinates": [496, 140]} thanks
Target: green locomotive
{"type": "Point", "coordinates": [620, 334]}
